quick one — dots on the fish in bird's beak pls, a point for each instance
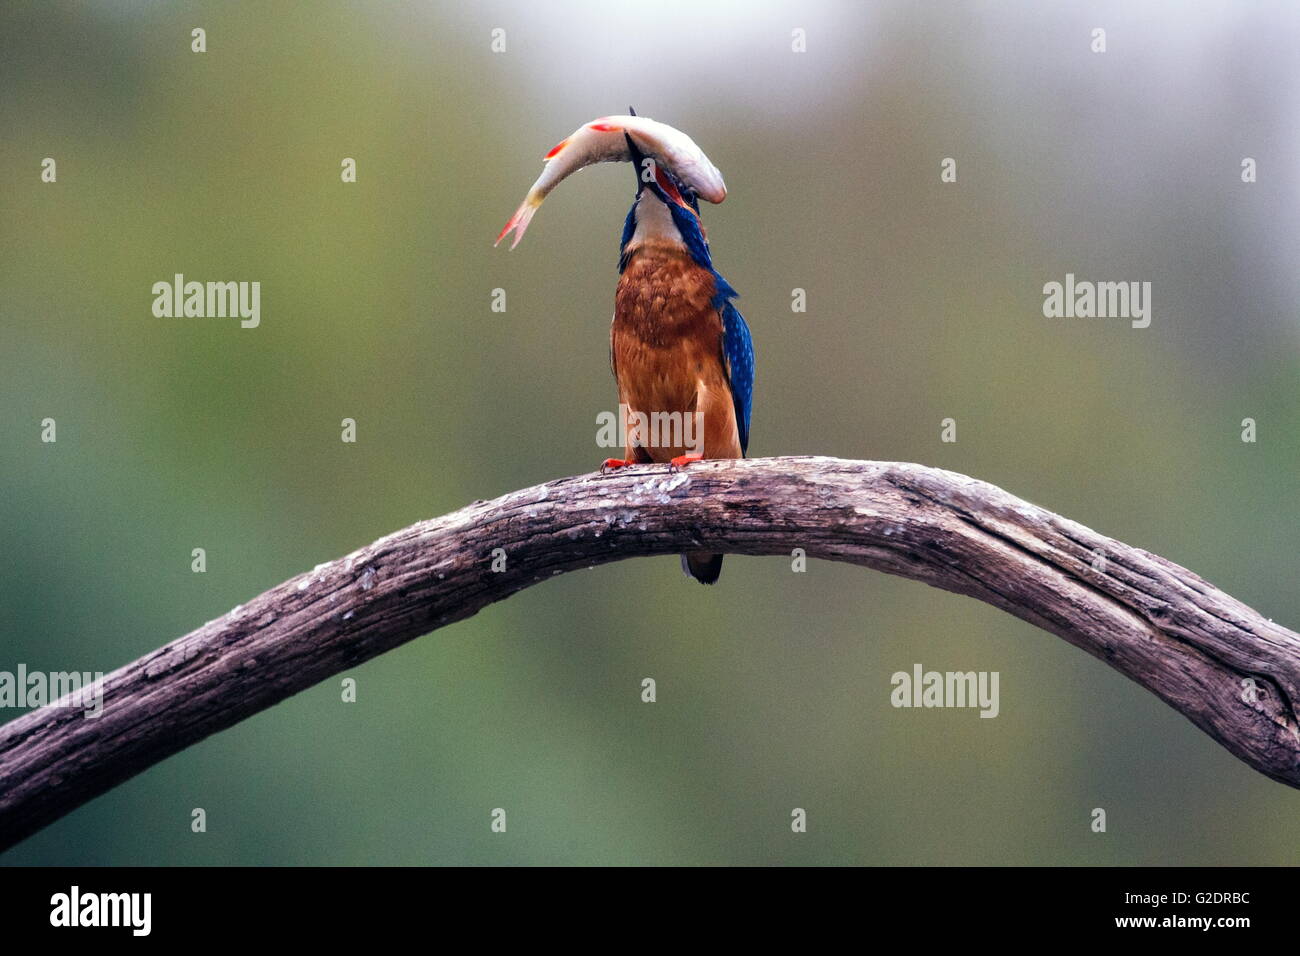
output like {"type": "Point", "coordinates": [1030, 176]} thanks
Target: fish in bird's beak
{"type": "Point", "coordinates": [666, 186]}
{"type": "Point", "coordinates": [612, 139]}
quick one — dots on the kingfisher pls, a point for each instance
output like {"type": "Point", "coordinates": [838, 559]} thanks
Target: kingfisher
{"type": "Point", "coordinates": [679, 349]}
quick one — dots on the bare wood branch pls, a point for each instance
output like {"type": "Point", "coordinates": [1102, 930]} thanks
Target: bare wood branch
{"type": "Point", "coordinates": [1233, 673]}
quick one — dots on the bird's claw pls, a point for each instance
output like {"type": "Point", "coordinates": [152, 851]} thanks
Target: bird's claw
{"type": "Point", "coordinates": [610, 464]}
{"type": "Point", "coordinates": [681, 461]}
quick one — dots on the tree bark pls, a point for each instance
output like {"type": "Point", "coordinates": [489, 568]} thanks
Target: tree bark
{"type": "Point", "coordinates": [1230, 671]}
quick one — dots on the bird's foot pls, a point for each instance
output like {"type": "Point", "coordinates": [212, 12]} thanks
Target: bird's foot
{"type": "Point", "coordinates": [610, 464]}
{"type": "Point", "coordinates": [681, 461]}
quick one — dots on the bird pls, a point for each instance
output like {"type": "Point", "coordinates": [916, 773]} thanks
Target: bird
{"type": "Point", "coordinates": [680, 350]}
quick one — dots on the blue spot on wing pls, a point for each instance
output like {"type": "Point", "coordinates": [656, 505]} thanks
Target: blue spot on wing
{"type": "Point", "coordinates": [739, 349]}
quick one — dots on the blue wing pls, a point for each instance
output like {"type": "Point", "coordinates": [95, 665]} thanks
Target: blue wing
{"type": "Point", "coordinates": [738, 348]}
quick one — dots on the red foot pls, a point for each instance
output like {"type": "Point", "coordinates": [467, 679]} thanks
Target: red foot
{"type": "Point", "coordinates": [681, 461]}
{"type": "Point", "coordinates": [609, 464]}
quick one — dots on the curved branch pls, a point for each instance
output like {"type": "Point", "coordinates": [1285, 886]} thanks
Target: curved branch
{"type": "Point", "coordinates": [1230, 671]}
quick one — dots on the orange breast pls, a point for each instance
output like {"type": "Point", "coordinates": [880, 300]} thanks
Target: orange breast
{"type": "Point", "coordinates": [666, 347]}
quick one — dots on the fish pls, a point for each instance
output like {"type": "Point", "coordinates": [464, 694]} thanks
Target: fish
{"type": "Point", "coordinates": [605, 140]}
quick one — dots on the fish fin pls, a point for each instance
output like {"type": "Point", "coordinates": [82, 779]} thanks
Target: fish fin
{"type": "Point", "coordinates": [518, 222]}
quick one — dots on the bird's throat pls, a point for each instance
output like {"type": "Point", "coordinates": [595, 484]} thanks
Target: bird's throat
{"type": "Point", "coordinates": [654, 222]}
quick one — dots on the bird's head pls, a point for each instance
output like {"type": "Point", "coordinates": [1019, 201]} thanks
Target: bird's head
{"type": "Point", "coordinates": [666, 211]}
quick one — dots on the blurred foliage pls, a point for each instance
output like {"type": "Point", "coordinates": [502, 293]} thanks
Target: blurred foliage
{"type": "Point", "coordinates": [924, 302]}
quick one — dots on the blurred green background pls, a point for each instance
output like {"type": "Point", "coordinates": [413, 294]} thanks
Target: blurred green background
{"type": "Point", "coordinates": [924, 302]}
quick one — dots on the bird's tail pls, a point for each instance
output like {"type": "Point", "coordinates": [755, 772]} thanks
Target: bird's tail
{"type": "Point", "coordinates": [702, 566]}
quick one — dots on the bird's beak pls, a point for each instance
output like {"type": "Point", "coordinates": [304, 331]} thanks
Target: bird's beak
{"type": "Point", "coordinates": [637, 156]}
{"type": "Point", "coordinates": [663, 187]}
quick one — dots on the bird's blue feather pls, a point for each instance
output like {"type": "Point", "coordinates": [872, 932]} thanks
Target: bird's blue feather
{"type": "Point", "coordinates": [737, 345]}
{"type": "Point", "coordinates": [629, 227]}
{"type": "Point", "coordinates": [740, 366]}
